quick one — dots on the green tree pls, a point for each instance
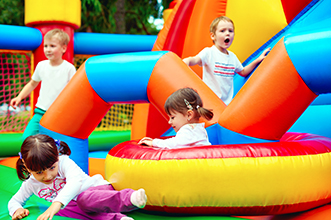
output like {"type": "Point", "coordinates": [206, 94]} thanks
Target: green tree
{"type": "Point", "coordinates": [12, 12]}
{"type": "Point", "coordinates": [101, 16]}
{"type": "Point", "coordinates": [120, 16]}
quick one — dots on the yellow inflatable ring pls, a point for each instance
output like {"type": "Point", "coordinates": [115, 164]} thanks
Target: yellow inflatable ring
{"type": "Point", "coordinates": [242, 179]}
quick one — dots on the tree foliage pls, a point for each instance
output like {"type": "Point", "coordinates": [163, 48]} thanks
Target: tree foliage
{"type": "Point", "coordinates": [101, 16]}
{"type": "Point", "coordinates": [12, 12]}
{"type": "Point", "coordinates": [106, 16]}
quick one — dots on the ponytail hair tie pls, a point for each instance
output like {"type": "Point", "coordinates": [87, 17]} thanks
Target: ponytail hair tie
{"type": "Point", "coordinates": [188, 105]}
{"type": "Point", "coordinates": [57, 142]}
{"type": "Point", "coordinates": [198, 107]}
{"type": "Point", "coordinates": [20, 154]}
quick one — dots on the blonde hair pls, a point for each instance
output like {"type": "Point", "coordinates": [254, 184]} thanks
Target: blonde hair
{"type": "Point", "coordinates": [62, 36]}
{"type": "Point", "coordinates": [187, 99]}
{"type": "Point", "coordinates": [215, 22]}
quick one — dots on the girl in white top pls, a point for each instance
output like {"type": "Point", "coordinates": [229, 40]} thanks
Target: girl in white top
{"type": "Point", "coordinates": [48, 172]}
{"type": "Point", "coordinates": [184, 108]}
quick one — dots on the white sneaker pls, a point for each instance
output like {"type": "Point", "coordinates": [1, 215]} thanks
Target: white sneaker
{"type": "Point", "coordinates": [126, 218]}
{"type": "Point", "coordinates": [139, 198]}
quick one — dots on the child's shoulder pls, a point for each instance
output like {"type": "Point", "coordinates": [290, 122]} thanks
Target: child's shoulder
{"type": "Point", "coordinates": [193, 126]}
{"type": "Point", "coordinates": [65, 162]}
{"type": "Point", "coordinates": [43, 63]}
{"type": "Point", "coordinates": [68, 64]}
{"type": "Point", "coordinates": [64, 157]}
{"type": "Point", "coordinates": [208, 48]}
{"type": "Point", "coordinates": [206, 51]}
{"type": "Point", "coordinates": [231, 53]}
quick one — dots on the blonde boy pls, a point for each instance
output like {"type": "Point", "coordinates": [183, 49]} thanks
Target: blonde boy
{"type": "Point", "coordinates": [219, 64]}
{"type": "Point", "coordinates": [53, 73]}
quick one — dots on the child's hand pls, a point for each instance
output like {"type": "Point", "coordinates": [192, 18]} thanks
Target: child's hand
{"type": "Point", "coordinates": [186, 61]}
{"type": "Point", "coordinates": [20, 213]}
{"type": "Point", "coordinates": [264, 54]}
{"type": "Point", "coordinates": [51, 211]}
{"type": "Point", "coordinates": [14, 102]}
{"type": "Point", "coordinates": [146, 141]}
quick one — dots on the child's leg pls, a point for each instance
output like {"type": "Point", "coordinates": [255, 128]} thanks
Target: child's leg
{"type": "Point", "coordinates": [106, 199]}
{"type": "Point", "coordinates": [73, 211]}
{"type": "Point", "coordinates": [33, 126]}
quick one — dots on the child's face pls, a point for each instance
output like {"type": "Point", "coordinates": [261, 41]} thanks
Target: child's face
{"type": "Point", "coordinates": [53, 49]}
{"type": "Point", "coordinates": [178, 120]}
{"type": "Point", "coordinates": [46, 176]}
{"type": "Point", "coordinates": [223, 36]}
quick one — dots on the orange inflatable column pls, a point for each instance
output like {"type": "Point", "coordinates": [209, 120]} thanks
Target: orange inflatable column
{"type": "Point", "coordinates": [83, 108]}
{"type": "Point", "coordinates": [146, 120]}
{"type": "Point", "coordinates": [272, 99]}
{"type": "Point", "coordinates": [210, 9]}
{"type": "Point", "coordinates": [171, 74]}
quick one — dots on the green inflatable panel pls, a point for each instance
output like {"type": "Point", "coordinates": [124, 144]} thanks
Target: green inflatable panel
{"type": "Point", "coordinates": [9, 184]}
{"type": "Point", "coordinates": [10, 143]}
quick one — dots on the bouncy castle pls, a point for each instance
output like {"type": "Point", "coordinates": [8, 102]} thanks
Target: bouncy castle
{"type": "Point", "coordinates": [270, 153]}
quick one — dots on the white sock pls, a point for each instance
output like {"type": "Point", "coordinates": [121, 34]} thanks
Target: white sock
{"type": "Point", "coordinates": [127, 218]}
{"type": "Point", "coordinates": [139, 198]}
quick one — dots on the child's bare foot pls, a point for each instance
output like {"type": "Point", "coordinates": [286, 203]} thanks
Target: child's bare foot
{"type": "Point", "coordinates": [139, 198]}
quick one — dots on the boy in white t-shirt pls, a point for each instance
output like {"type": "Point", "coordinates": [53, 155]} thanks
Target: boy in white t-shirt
{"type": "Point", "coordinates": [219, 64]}
{"type": "Point", "coordinates": [54, 74]}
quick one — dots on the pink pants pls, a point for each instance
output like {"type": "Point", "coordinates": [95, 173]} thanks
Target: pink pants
{"type": "Point", "coordinates": [98, 203]}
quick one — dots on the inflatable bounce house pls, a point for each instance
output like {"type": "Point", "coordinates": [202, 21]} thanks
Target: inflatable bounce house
{"type": "Point", "coordinates": [21, 48]}
{"type": "Point", "coordinates": [270, 154]}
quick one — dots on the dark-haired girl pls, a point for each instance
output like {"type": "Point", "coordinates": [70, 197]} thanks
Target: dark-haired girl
{"type": "Point", "coordinates": [184, 108]}
{"type": "Point", "coordinates": [48, 172]}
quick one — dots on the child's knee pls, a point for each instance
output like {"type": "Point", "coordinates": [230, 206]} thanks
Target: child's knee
{"type": "Point", "coordinates": [82, 202]}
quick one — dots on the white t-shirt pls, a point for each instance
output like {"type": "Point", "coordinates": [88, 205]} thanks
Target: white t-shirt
{"type": "Point", "coordinates": [219, 70]}
{"type": "Point", "coordinates": [69, 183]}
{"type": "Point", "coordinates": [189, 135]}
{"type": "Point", "coordinates": [53, 80]}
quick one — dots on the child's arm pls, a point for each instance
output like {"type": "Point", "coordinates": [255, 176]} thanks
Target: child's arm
{"type": "Point", "coordinates": [191, 61]}
{"type": "Point", "coordinates": [20, 213]}
{"type": "Point", "coordinates": [51, 211]}
{"type": "Point", "coordinates": [15, 204]}
{"type": "Point", "coordinates": [27, 89]}
{"type": "Point", "coordinates": [249, 68]}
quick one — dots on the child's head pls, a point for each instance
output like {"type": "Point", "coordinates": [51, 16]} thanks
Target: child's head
{"type": "Point", "coordinates": [214, 23]}
{"type": "Point", "coordinates": [59, 34]}
{"type": "Point", "coordinates": [55, 45]}
{"type": "Point", "coordinates": [185, 106]}
{"type": "Point", "coordinates": [38, 153]}
{"type": "Point", "coordinates": [222, 32]}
